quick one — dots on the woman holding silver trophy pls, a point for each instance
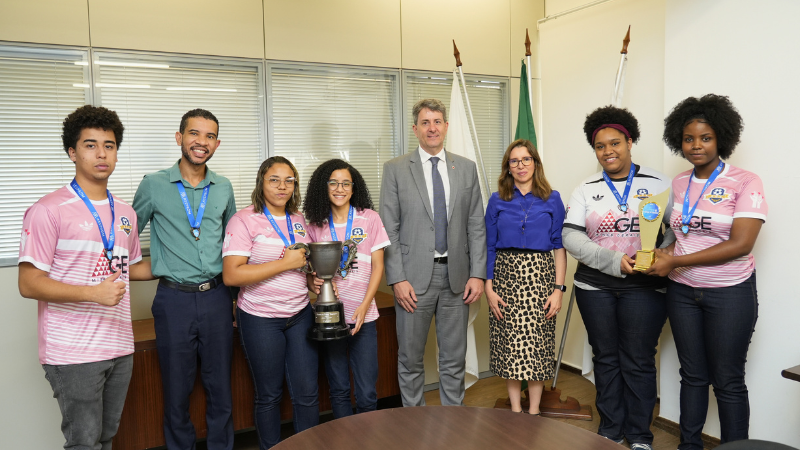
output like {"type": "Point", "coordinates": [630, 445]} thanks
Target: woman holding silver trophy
{"type": "Point", "coordinates": [338, 207]}
{"type": "Point", "coordinates": [260, 255]}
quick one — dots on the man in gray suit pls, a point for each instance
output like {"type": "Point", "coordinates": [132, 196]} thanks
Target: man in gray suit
{"type": "Point", "coordinates": [432, 209]}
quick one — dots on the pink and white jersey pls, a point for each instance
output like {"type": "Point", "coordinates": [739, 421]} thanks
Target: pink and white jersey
{"type": "Point", "coordinates": [250, 234]}
{"type": "Point", "coordinates": [368, 233]}
{"type": "Point", "coordinates": [735, 193]}
{"type": "Point", "coordinates": [60, 237]}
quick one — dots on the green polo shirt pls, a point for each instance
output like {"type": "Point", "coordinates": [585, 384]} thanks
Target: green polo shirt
{"type": "Point", "coordinates": [174, 252]}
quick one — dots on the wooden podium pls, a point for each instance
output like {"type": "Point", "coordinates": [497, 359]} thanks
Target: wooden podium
{"type": "Point", "coordinates": [141, 425]}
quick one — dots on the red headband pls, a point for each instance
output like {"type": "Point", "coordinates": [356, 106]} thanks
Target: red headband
{"type": "Point", "coordinates": [615, 126]}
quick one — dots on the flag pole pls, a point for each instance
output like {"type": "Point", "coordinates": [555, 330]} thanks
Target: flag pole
{"type": "Point", "coordinates": [530, 72]}
{"type": "Point", "coordinates": [619, 82]}
{"type": "Point", "coordinates": [457, 55]}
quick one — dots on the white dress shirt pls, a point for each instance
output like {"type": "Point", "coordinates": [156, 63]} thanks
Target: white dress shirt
{"type": "Point", "coordinates": [427, 165]}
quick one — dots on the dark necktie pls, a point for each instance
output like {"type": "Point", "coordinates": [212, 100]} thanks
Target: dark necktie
{"type": "Point", "coordinates": [439, 208]}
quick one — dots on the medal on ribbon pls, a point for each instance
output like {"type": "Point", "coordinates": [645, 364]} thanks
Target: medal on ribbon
{"type": "Point", "coordinates": [622, 200]}
{"type": "Point", "coordinates": [108, 242]}
{"type": "Point", "coordinates": [686, 213]}
{"type": "Point", "coordinates": [194, 223]}
{"type": "Point", "coordinates": [348, 232]}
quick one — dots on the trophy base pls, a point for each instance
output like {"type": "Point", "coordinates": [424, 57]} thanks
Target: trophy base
{"type": "Point", "coordinates": [644, 259]}
{"type": "Point", "coordinates": [329, 323]}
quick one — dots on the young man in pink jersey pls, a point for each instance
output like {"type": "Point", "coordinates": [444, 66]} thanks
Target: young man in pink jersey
{"type": "Point", "coordinates": [79, 250]}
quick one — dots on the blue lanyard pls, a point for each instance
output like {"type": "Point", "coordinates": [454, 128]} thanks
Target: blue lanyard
{"type": "Point", "coordinates": [194, 223]}
{"type": "Point", "coordinates": [686, 214]}
{"type": "Point", "coordinates": [621, 201]}
{"type": "Point", "coordinates": [108, 242]}
{"type": "Point", "coordinates": [278, 230]}
{"type": "Point", "coordinates": [348, 232]}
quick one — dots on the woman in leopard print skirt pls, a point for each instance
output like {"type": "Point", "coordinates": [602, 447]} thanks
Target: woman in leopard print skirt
{"type": "Point", "coordinates": [524, 280]}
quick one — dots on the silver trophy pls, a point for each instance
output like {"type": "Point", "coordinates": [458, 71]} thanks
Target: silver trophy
{"type": "Point", "coordinates": [325, 258]}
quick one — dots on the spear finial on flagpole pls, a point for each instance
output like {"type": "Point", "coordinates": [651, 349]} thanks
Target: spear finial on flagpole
{"type": "Point", "coordinates": [529, 69]}
{"type": "Point", "coordinates": [457, 54]}
{"type": "Point", "coordinates": [619, 82]}
{"type": "Point", "coordinates": [626, 41]}
{"type": "Point", "coordinates": [527, 43]}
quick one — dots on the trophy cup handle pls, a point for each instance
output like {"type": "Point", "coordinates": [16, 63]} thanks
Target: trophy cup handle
{"type": "Point", "coordinates": [308, 268]}
{"type": "Point", "coordinates": [352, 253]}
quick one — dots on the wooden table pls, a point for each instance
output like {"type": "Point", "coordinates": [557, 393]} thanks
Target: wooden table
{"type": "Point", "coordinates": [141, 425]}
{"type": "Point", "coordinates": [445, 427]}
{"type": "Point", "coordinates": [792, 374]}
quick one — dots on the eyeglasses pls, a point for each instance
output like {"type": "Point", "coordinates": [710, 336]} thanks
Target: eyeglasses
{"type": "Point", "coordinates": [346, 185]}
{"type": "Point", "coordinates": [275, 182]}
{"type": "Point", "coordinates": [526, 161]}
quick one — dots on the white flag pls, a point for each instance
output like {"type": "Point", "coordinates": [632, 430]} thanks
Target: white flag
{"type": "Point", "coordinates": [459, 138]}
{"type": "Point", "coordinates": [459, 142]}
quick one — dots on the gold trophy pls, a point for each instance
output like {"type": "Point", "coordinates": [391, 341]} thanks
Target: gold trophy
{"type": "Point", "coordinates": [651, 213]}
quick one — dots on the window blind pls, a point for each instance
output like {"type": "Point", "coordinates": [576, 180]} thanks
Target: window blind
{"type": "Point", "coordinates": [318, 113]}
{"type": "Point", "coordinates": [39, 87]}
{"type": "Point", "coordinates": [152, 93]}
{"type": "Point", "coordinates": [489, 100]}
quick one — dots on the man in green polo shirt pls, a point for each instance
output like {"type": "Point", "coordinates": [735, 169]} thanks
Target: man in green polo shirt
{"type": "Point", "coordinates": [188, 207]}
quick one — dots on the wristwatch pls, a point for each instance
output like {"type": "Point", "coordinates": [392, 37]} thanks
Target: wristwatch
{"type": "Point", "coordinates": [560, 287]}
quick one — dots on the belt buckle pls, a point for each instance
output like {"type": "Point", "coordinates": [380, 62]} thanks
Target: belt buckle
{"type": "Point", "coordinates": [204, 287]}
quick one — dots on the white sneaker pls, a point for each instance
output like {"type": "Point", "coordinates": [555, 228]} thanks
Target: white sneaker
{"type": "Point", "coordinates": [641, 447]}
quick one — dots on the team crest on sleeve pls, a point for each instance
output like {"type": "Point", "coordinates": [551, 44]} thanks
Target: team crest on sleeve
{"type": "Point", "coordinates": [227, 241]}
{"type": "Point", "coordinates": [358, 235]}
{"type": "Point", "coordinates": [642, 194]}
{"type": "Point", "coordinates": [757, 198]}
{"type": "Point", "coordinates": [125, 225]}
{"type": "Point", "coordinates": [717, 195]}
{"type": "Point", "coordinates": [24, 238]}
{"type": "Point", "coordinates": [299, 230]}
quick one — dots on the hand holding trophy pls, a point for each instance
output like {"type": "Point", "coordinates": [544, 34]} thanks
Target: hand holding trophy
{"type": "Point", "coordinates": [325, 258]}
{"type": "Point", "coordinates": [651, 213]}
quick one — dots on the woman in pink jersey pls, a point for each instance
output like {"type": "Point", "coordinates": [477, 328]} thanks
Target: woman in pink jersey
{"type": "Point", "coordinates": [338, 207]}
{"type": "Point", "coordinates": [273, 310]}
{"type": "Point", "coordinates": [711, 297]}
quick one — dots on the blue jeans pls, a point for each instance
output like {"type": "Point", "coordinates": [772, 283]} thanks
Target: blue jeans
{"type": "Point", "coordinates": [90, 397]}
{"type": "Point", "coordinates": [275, 348]}
{"type": "Point", "coordinates": [191, 326]}
{"type": "Point", "coordinates": [363, 349]}
{"type": "Point", "coordinates": [623, 329]}
{"type": "Point", "coordinates": [712, 329]}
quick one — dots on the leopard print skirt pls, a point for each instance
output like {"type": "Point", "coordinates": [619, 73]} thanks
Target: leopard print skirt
{"type": "Point", "coordinates": [522, 345]}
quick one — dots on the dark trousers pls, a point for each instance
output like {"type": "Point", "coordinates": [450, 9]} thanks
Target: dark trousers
{"type": "Point", "coordinates": [278, 348]}
{"type": "Point", "coordinates": [712, 329]}
{"type": "Point", "coordinates": [191, 327]}
{"type": "Point", "coordinates": [361, 350]}
{"type": "Point", "coordinates": [623, 329]}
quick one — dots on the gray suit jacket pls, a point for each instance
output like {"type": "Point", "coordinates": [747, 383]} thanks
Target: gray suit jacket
{"type": "Point", "coordinates": [408, 217]}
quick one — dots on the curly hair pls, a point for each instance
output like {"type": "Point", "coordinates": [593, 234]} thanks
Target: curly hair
{"type": "Point", "coordinates": [505, 183]}
{"type": "Point", "coordinates": [202, 113]}
{"type": "Point", "coordinates": [317, 206]}
{"type": "Point", "coordinates": [257, 197]}
{"type": "Point", "coordinates": [610, 115]}
{"type": "Point", "coordinates": [715, 110]}
{"type": "Point", "coordinates": [89, 116]}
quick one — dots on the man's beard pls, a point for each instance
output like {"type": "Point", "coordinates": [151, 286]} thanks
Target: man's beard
{"type": "Point", "coordinates": [187, 155]}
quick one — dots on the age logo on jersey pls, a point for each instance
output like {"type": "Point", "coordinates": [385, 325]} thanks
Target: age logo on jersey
{"type": "Point", "coordinates": [299, 230]}
{"type": "Point", "coordinates": [717, 195]}
{"type": "Point", "coordinates": [642, 194]}
{"type": "Point", "coordinates": [125, 225]}
{"type": "Point", "coordinates": [358, 235]}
